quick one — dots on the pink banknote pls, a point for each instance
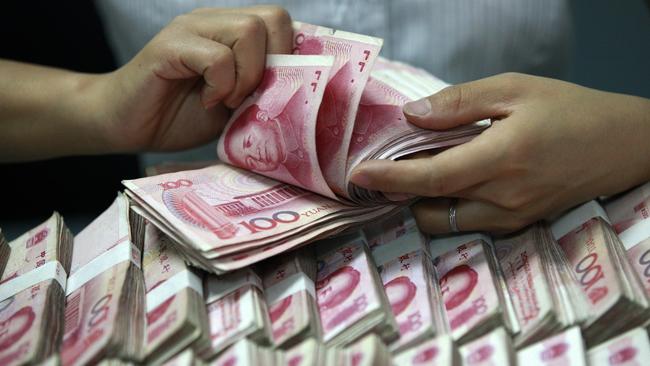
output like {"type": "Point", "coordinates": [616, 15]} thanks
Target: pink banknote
{"type": "Point", "coordinates": [629, 209]}
{"type": "Point", "coordinates": [628, 349]}
{"type": "Point", "coordinates": [220, 206]}
{"type": "Point", "coordinates": [492, 349]}
{"type": "Point", "coordinates": [354, 58]}
{"type": "Point", "coordinates": [564, 349]}
{"type": "Point", "coordinates": [274, 131]}
{"type": "Point", "coordinates": [433, 352]}
{"type": "Point", "coordinates": [467, 287]}
{"type": "Point", "coordinates": [586, 249]}
{"type": "Point", "coordinates": [524, 273]}
{"type": "Point", "coordinates": [639, 256]}
{"type": "Point", "coordinates": [161, 264]}
{"type": "Point", "coordinates": [21, 318]}
{"type": "Point", "coordinates": [290, 298]}
{"type": "Point", "coordinates": [406, 283]}
{"type": "Point", "coordinates": [105, 232]}
{"type": "Point", "coordinates": [90, 316]}
{"type": "Point", "coordinates": [342, 290]}
{"type": "Point", "coordinates": [33, 249]}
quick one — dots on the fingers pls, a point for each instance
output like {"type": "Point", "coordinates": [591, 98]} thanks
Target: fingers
{"type": "Point", "coordinates": [245, 35]}
{"type": "Point", "coordinates": [443, 174]}
{"type": "Point", "coordinates": [432, 216]}
{"type": "Point", "coordinates": [216, 62]}
{"type": "Point", "coordinates": [465, 103]}
{"type": "Point", "coordinates": [279, 30]}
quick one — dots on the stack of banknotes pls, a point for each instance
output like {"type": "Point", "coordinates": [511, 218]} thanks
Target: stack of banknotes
{"type": "Point", "coordinates": [287, 153]}
{"type": "Point", "coordinates": [272, 257]}
{"type": "Point", "coordinates": [383, 295]}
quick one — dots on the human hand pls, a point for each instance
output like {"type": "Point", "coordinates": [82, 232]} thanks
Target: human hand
{"type": "Point", "coordinates": [177, 91]}
{"type": "Point", "coordinates": [552, 145]}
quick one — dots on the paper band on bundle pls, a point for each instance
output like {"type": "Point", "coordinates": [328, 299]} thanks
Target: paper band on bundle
{"type": "Point", "coordinates": [52, 270]}
{"type": "Point", "coordinates": [576, 217]}
{"type": "Point", "coordinates": [635, 234]}
{"type": "Point", "coordinates": [173, 285]}
{"type": "Point", "coordinates": [440, 246]}
{"type": "Point", "coordinates": [407, 243]}
{"type": "Point", "coordinates": [231, 282]}
{"type": "Point", "coordinates": [125, 251]}
{"type": "Point", "coordinates": [289, 286]}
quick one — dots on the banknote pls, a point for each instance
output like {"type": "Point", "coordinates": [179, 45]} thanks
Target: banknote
{"type": "Point", "coordinates": [414, 298]}
{"type": "Point", "coordinates": [32, 293]}
{"type": "Point", "coordinates": [630, 208]}
{"type": "Point", "coordinates": [105, 304]}
{"type": "Point", "coordinates": [351, 300]}
{"type": "Point", "coordinates": [432, 352]}
{"type": "Point", "coordinates": [491, 349]}
{"type": "Point", "coordinates": [474, 300]}
{"type": "Point", "coordinates": [566, 348]}
{"type": "Point", "coordinates": [236, 310]}
{"type": "Point", "coordinates": [274, 131]}
{"type": "Point", "coordinates": [354, 57]}
{"type": "Point", "coordinates": [629, 348]}
{"type": "Point", "coordinates": [291, 297]}
{"type": "Point", "coordinates": [176, 313]}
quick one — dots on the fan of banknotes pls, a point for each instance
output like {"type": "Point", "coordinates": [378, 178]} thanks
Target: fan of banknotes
{"type": "Point", "coordinates": [287, 153]}
{"type": "Point", "coordinates": [211, 265]}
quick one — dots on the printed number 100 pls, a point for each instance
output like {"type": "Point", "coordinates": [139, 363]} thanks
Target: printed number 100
{"type": "Point", "coordinates": [258, 224]}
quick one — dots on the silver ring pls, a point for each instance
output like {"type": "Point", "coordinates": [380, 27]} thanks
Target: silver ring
{"type": "Point", "coordinates": [453, 223]}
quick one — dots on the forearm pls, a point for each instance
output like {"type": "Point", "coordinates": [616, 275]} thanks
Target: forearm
{"type": "Point", "coordinates": [47, 112]}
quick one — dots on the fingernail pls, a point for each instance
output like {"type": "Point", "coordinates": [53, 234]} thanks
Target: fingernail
{"type": "Point", "coordinates": [361, 179]}
{"type": "Point", "coordinates": [420, 107]}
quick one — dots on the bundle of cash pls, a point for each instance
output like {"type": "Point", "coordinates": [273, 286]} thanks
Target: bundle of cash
{"type": "Point", "coordinates": [309, 352]}
{"type": "Point", "coordinates": [236, 310]}
{"type": "Point", "coordinates": [387, 230]}
{"type": "Point", "coordinates": [176, 313]}
{"type": "Point", "coordinates": [630, 208]}
{"type": "Point", "coordinates": [245, 353]}
{"type": "Point", "coordinates": [545, 296]}
{"type": "Point", "coordinates": [436, 351]}
{"type": "Point", "coordinates": [493, 348]}
{"type": "Point", "coordinates": [615, 296]}
{"type": "Point", "coordinates": [105, 305]}
{"type": "Point", "coordinates": [630, 348]}
{"type": "Point", "coordinates": [351, 299]}
{"type": "Point", "coordinates": [32, 293]}
{"type": "Point", "coordinates": [411, 285]}
{"type": "Point", "coordinates": [291, 297]}
{"type": "Point", "coordinates": [629, 217]}
{"type": "Point", "coordinates": [288, 152]}
{"type": "Point", "coordinates": [566, 348]}
{"type": "Point", "coordinates": [473, 287]}
{"type": "Point", "coordinates": [367, 351]}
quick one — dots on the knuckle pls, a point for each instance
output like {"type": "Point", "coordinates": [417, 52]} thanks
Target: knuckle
{"type": "Point", "coordinates": [452, 98]}
{"type": "Point", "coordinates": [515, 199]}
{"type": "Point", "coordinates": [252, 26]}
{"type": "Point", "coordinates": [182, 20]}
{"type": "Point", "coordinates": [275, 14]}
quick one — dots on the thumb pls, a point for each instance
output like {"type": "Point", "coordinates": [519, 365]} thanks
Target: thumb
{"type": "Point", "coordinates": [462, 104]}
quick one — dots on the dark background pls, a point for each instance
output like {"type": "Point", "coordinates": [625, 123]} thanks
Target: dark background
{"type": "Point", "coordinates": [611, 52]}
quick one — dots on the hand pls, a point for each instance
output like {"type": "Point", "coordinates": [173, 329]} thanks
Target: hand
{"type": "Point", "coordinates": [552, 145]}
{"type": "Point", "coordinates": [176, 93]}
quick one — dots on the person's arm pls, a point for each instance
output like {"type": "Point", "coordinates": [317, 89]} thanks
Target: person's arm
{"type": "Point", "coordinates": [552, 145]}
{"type": "Point", "coordinates": [47, 112]}
{"type": "Point", "coordinates": [176, 93]}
